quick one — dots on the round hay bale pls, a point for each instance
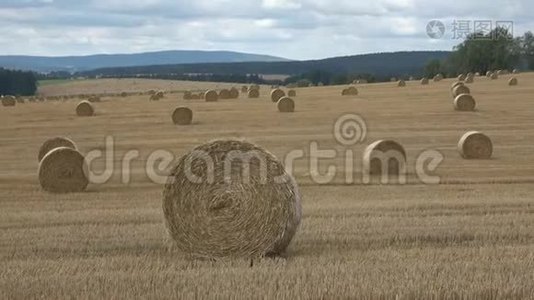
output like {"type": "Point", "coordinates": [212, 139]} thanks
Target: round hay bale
{"type": "Point", "coordinates": [195, 97]}
{"type": "Point", "coordinates": [224, 94]}
{"type": "Point", "coordinates": [455, 84]}
{"type": "Point", "coordinates": [286, 104]}
{"type": "Point", "coordinates": [351, 91]}
{"type": "Point", "coordinates": [62, 171]}
{"type": "Point", "coordinates": [470, 79]}
{"type": "Point", "coordinates": [494, 76]}
{"type": "Point", "coordinates": [160, 94]}
{"type": "Point", "coordinates": [94, 99]}
{"type": "Point", "coordinates": [387, 152]}
{"type": "Point", "coordinates": [214, 209]}
{"type": "Point", "coordinates": [244, 89]}
{"type": "Point", "coordinates": [154, 97]}
{"type": "Point", "coordinates": [234, 93]}
{"type": "Point", "coordinates": [438, 78]}
{"type": "Point", "coordinates": [462, 77]}
{"type": "Point", "coordinates": [292, 93]}
{"type": "Point", "coordinates": [401, 83]}
{"type": "Point", "coordinates": [464, 102]}
{"type": "Point", "coordinates": [20, 100]}
{"type": "Point", "coordinates": [9, 101]}
{"type": "Point", "coordinates": [276, 94]}
{"type": "Point", "coordinates": [254, 93]}
{"type": "Point", "coordinates": [475, 145]}
{"type": "Point", "coordinates": [182, 116]}
{"type": "Point", "coordinates": [188, 95]}
{"type": "Point", "coordinates": [515, 71]}
{"type": "Point", "coordinates": [513, 81]}
{"type": "Point", "coordinates": [124, 94]}
{"type": "Point", "coordinates": [53, 143]}
{"type": "Point", "coordinates": [254, 87]}
{"type": "Point", "coordinates": [460, 89]}
{"type": "Point", "coordinates": [211, 96]}
{"type": "Point", "coordinates": [85, 109]}
{"type": "Point", "coordinates": [424, 81]}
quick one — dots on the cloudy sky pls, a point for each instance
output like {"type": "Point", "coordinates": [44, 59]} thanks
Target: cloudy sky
{"type": "Point", "coordinates": [296, 29]}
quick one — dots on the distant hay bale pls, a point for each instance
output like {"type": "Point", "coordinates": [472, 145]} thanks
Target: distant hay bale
{"type": "Point", "coordinates": [455, 84]}
{"type": "Point", "coordinates": [513, 81]}
{"type": "Point", "coordinates": [515, 71]}
{"type": "Point", "coordinates": [224, 94]}
{"type": "Point", "coordinates": [292, 93]}
{"type": "Point", "coordinates": [494, 76]}
{"type": "Point", "coordinates": [254, 87]}
{"type": "Point", "coordinates": [286, 104]}
{"type": "Point", "coordinates": [424, 81]}
{"type": "Point", "coordinates": [195, 97]}
{"type": "Point", "coordinates": [277, 94]}
{"type": "Point", "coordinates": [384, 157]}
{"type": "Point", "coordinates": [124, 94]}
{"type": "Point", "coordinates": [475, 145]}
{"type": "Point", "coordinates": [211, 96]}
{"type": "Point", "coordinates": [254, 93]}
{"type": "Point", "coordinates": [188, 95]}
{"type": "Point", "coordinates": [9, 101]}
{"type": "Point", "coordinates": [401, 83]}
{"type": "Point", "coordinates": [160, 94]}
{"type": "Point", "coordinates": [244, 89]}
{"type": "Point", "coordinates": [460, 89]}
{"type": "Point", "coordinates": [464, 102]}
{"type": "Point", "coordinates": [94, 99]}
{"type": "Point", "coordinates": [182, 116]}
{"type": "Point", "coordinates": [438, 78]}
{"type": "Point", "coordinates": [53, 143]}
{"type": "Point", "coordinates": [154, 97]}
{"type": "Point", "coordinates": [85, 109]}
{"type": "Point", "coordinates": [470, 78]}
{"type": "Point", "coordinates": [62, 171]}
{"type": "Point", "coordinates": [462, 77]}
{"type": "Point", "coordinates": [20, 100]}
{"type": "Point", "coordinates": [351, 91]}
{"type": "Point", "coordinates": [234, 93]}
{"type": "Point", "coordinates": [151, 92]}
{"type": "Point", "coordinates": [240, 203]}
{"type": "Point", "coordinates": [489, 74]}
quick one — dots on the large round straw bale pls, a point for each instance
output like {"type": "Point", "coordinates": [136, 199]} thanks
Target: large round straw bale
{"type": "Point", "coordinates": [224, 94]}
{"type": "Point", "coordinates": [424, 81]}
{"type": "Point", "coordinates": [53, 143]}
{"type": "Point", "coordinates": [470, 78]}
{"type": "Point", "coordinates": [455, 84]}
{"type": "Point", "coordinates": [401, 83]}
{"type": "Point", "coordinates": [464, 102]}
{"type": "Point", "coordinates": [182, 116]}
{"type": "Point", "coordinates": [85, 109]}
{"type": "Point", "coordinates": [351, 91]}
{"type": "Point", "coordinates": [475, 145]}
{"type": "Point", "coordinates": [460, 89]}
{"type": "Point", "coordinates": [20, 100]}
{"type": "Point", "coordinates": [234, 93]}
{"type": "Point", "coordinates": [62, 171]}
{"type": "Point", "coordinates": [244, 89]}
{"type": "Point", "coordinates": [384, 157]}
{"type": "Point", "coordinates": [286, 104]}
{"type": "Point", "coordinates": [254, 87]}
{"type": "Point", "coordinates": [211, 96]}
{"type": "Point", "coordinates": [160, 94]}
{"type": "Point", "coordinates": [513, 81]}
{"type": "Point", "coordinates": [494, 76]}
{"type": "Point", "coordinates": [231, 199]}
{"type": "Point", "coordinates": [154, 97]}
{"type": "Point", "coordinates": [276, 94]}
{"type": "Point", "coordinates": [195, 97]}
{"type": "Point", "coordinates": [94, 99]}
{"type": "Point", "coordinates": [188, 95]}
{"type": "Point", "coordinates": [362, 81]}
{"type": "Point", "coordinates": [438, 78]}
{"type": "Point", "coordinates": [292, 93]}
{"type": "Point", "coordinates": [461, 77]}
{"type": "Point", "coordinates": [254, 93]}
{"type": "Point", "coordinates": [9, 101]}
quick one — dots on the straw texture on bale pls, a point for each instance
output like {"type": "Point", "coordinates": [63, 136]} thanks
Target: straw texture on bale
{"type": "Point", "coordinates": [62, 171]}
{"type": "Point", "coordinates": [154, 97]}
{"type": "Point", "coordinates": [513, 81]}
{"type": "Point", "coordinates": [438, 78]}
{"type": "Point", "coordinates": [188, 95]}
{"type": "Point", "coordinates": [211, 96]}
{"type": "Point", "coordinates": [234, 93]}
{"type": "Point", "coordinates": [8, 101]}
{"type": "Point", "coordinates": [470, 78]}
{"type": "Point", "coordinates": [225, 212]}
{"type": "Point", "coordinates": [254, 93]}
{"type": "Point", "coordinates": [244, 89]}
{"type": "Point", "coordinates": [160, 95]}
{"type": "Point", "coordinates": [53, 143]}
{"type": "Point", "coordinates": [94, 99]}
{"type": "Point", "coordinates": [462, 77]}
{"type": "Point", "coordinates": [475, 145]}
{"type": "Point", "coordinates": [424, 81]}
{"type": "Point", "coordinates": [494, 76]}
{"type": "Point", "coordinates": [455, 84]}
{"type": "Point", "coordinates": [286, 104]}
{"type": "Point", "coordinates": [224, 94]}
{"type": "Point", "coordinates": [182, 116]}
{"type": "Point", "coordinates": [384, 151]}
{"type": "Point", "coordinates": [85, 109]}
{"type": "Point", "coordinates": [401, 83]}
{"type": "Point", "coordinates": [351, 91]}
{"type": "Point", "coordinates": [292, 93]}
{"type": "Point", "coordinates": [464, 102]}
{"type": "Point", "coordinates": [460, 89]}
{"type": "Point", "coordinates": [276, 94]}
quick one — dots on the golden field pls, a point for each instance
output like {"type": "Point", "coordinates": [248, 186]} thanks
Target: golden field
{"type": "Point", "coordinates": [470, 237]}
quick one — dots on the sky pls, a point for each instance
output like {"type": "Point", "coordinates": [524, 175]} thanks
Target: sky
{"type": "Point", "coordinates": [295, 29]}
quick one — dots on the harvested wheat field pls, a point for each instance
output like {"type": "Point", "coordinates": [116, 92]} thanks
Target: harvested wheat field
{"type": "Point", "coordinates": [469, 237]}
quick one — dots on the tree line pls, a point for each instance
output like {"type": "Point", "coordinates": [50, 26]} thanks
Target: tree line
{"type": "Point", "coordinates": [17, 83]}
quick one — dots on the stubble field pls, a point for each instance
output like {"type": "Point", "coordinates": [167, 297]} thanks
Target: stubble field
{"type": "Point", "coordinates": [472, 236]}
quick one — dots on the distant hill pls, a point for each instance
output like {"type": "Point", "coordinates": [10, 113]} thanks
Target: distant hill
{"type": "Point", "coordinates": [84, 63]}
{"type": "Point", "coordinates": [379, 65]}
